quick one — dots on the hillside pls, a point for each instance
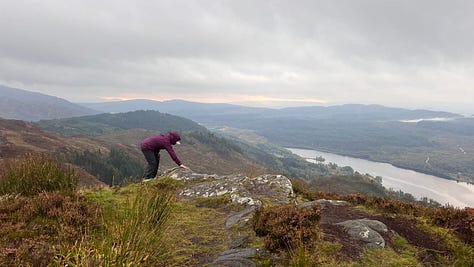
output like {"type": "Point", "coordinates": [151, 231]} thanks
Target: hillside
{"type": "Point", "coordinates": [201, 150]}
{"type": "Point", "coordinates": [185, 218]}
{"type": "Point", "coordinates": [402, 137]}
{"type": "Point", "coordinates": [107, 123]}
{"type": "Point", "coordinates": [19, 138]}
{"type": "Point", "coordinates": [30, 106]}
{"type": "Point", "coordinates": [441, 148]}
{"type": "Point", "coordinates": [227, 210]}
{"type": "Point", "coordinates": [116, 156]}
{"type": "Point", "coordinates": [111, 153]}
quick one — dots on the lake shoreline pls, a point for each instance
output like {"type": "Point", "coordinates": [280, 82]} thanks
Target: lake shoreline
{"type": "Point", "coordinates": [420, 185]}
{"type": "Point", "coordinates": [440, 175]}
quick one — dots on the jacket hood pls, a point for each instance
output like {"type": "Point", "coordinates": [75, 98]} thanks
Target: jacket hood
{"type": "Point", "coordinates": [174, 137]}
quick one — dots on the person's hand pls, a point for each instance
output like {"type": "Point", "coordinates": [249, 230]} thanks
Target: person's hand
{"type": "Point", "coordinates": [184, 167]}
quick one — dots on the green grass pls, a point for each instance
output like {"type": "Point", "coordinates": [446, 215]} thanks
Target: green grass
{"type": "Point", "coordinates": [388, 258]}
{"type": "Point", "coordinates": [197, 234]}
{"type": "Point", "coordinates": [137, 238]}
{"type": "Point", "coordinates": [137, 218]}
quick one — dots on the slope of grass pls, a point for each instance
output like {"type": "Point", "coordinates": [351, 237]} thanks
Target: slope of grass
{"type": "Point", "coordinates": [149, 225]}
{"type": "Point", "coordinates": [50, 224]}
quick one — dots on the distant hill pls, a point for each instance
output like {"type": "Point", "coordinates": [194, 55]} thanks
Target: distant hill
{"type": "Point", "coordinates": [215, 113]}
{"type": "Point", "coordinates": [200, 112]}
{"type": "Point", "coordinates": [201, 150]}
{"type": "Point", "coordinates": [100, 124]}
{"type": "Point", "coordinates": [30, 106]}
{"type": "Point", "coordinates": [405, 138]}
{"type": "Point", "coordinates": [115, 155]}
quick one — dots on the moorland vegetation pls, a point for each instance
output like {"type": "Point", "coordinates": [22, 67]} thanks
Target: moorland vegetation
{"type": "Point", "coordinates": [55, 224]}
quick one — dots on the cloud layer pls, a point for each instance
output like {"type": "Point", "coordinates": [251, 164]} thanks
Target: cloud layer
{"type": "Point", "coordinates": [401, 53]}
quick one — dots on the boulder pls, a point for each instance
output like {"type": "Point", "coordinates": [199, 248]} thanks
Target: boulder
{"type": "Point", "coordinates": [366, 230]}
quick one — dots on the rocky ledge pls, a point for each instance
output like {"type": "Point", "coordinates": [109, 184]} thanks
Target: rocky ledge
{"type": "Point", "coordinates": [251, 193]}
{"type": "Point", "coordinates": [240, 189]}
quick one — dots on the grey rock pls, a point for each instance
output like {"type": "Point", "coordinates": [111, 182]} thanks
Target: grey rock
{"type": "Point", "coordinates": [241, 189]}
{"type": "Point", "coordinates": [236, 258]}
{"type": "Point", "coordinates": [307, 205]}
{"type": "Point", "coordinates": [366, 230]}
{"type": "Point", "coordinates": [324, 202]}
{"type": "Point", "coordinates": [240, 242]}
{"type": "Point", "coordinates": [376, 225]}
{"type": "Point", "coordinates": [187, 175]}
{"type": "Point", "coordinates": [232, 220]}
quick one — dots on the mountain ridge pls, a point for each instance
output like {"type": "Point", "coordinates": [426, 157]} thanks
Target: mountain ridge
{"type": "Point", "coordinates": [203, 111]}
{"type": "Point", "coordinates": [31, 106]}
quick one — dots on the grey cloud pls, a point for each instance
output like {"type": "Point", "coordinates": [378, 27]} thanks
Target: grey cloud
{"type": "Point", "coordinates": [342, 51]}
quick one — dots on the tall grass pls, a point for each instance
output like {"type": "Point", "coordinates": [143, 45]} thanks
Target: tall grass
{"type": "Point", "coordinates": [33, 174]}
{"type": "Point", "coordinates": [135, 238]}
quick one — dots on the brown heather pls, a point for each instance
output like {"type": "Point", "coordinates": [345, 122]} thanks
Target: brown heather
{"type": "Point", "coordinates": [31, 227]}
{"type": "Point", "coordinates": [287, 226]}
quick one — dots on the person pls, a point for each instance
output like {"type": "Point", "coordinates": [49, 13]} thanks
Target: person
{"type": "Point", "coordinates": [151, 147]}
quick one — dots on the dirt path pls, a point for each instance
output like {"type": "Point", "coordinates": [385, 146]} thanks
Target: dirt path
{"type": "Point", "coordinates": [428, 244]}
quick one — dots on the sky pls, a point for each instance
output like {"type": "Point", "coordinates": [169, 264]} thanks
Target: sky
{"type": "Point", "coordinates": [273, 53]}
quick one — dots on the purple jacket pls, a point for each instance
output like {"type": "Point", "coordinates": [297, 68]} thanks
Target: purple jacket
{"type": "Point", "coordinates": [162, 141]}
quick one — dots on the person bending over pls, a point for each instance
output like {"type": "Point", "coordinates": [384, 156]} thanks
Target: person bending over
{"type": "Point", "coordinates": [151, 147]}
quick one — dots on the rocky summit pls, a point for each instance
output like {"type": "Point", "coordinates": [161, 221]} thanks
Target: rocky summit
{"type": "Point", "coordinates": [248, 194]}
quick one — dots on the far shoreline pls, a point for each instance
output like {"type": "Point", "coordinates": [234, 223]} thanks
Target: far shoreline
{"type": "Point", "coordinates": [439, 175]}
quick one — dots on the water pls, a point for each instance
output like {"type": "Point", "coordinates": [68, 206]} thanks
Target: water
{"type": "Point", "coordinates": [444, 191]}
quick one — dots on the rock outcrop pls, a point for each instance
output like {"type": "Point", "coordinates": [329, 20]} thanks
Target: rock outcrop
{"type": "Point", "coordinates": [240, 189]}
{"type": "Point", "coordinates": [251, 193]}
{"type": "Point", "coordinates": [245, 192]}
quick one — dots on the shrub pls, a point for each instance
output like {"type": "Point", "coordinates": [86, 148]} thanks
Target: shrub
{"type": "Point", "coordinates": [287, 226]}
{"type": "Point", "coordinates": [31, 227]}
{"type": "Point", "coordinates": [460, 220]}
{"type": "Point", "coordinates": [34, 174]}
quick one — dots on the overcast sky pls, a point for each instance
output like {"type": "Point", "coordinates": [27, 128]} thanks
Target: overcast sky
{"type": "Point", "coordinates": [404, 53]}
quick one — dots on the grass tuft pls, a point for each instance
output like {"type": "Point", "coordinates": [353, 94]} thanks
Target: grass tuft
{"type": "Point", "coordinates": [134, 237]}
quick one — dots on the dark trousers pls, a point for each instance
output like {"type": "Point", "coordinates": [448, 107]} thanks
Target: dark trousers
{"type": "Point", "coordinates": [153, 160]}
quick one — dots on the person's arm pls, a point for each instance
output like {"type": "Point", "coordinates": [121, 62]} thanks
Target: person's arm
{"type": "Point", "coordinates": [174, 156]}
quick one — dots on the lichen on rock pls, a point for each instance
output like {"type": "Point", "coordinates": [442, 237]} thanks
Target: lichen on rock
{"type": "Point", "coordinates": [241, 189]}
